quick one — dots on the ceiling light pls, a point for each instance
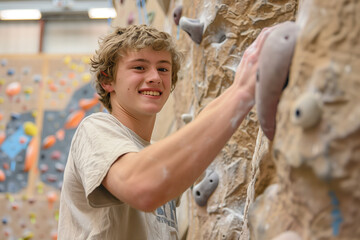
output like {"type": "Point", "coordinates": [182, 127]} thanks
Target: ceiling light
{"type": "Point", "coordinates": [20, 14]}
{"type": "Point", "coordinates": [102, 13]}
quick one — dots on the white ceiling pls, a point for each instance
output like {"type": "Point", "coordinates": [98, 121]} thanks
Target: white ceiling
{"type": "Point", "coordinates": [57, 8]}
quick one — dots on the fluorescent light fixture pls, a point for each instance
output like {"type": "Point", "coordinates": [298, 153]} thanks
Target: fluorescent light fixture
{"type": "Point", "coordinates": [20, 14]}
{"type": "Point", "coordinates": [102, 13]}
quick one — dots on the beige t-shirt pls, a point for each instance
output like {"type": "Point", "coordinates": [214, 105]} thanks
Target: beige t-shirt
{"type": "Point", "coordinates": [87, 209]}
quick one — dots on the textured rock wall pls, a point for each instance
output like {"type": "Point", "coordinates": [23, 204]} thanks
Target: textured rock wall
{"type": "Point", "coordinates": [208, 69]}
{"type": "Point", "coordinates": [317, 196]}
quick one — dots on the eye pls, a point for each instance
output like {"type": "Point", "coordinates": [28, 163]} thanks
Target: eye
{"type": "Point", "coordinates": [163, 69]}
{"type": "Point", "coordinates": [139, 68]}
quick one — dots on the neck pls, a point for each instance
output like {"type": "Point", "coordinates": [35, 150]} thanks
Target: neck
{"type": "Point", "coordinates": [141, 126]}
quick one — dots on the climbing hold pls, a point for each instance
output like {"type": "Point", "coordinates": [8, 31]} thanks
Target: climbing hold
{"type": "Point", "coordinates": [31, 154]}
{"type": "Point", "coordinates": [60, 134]}
{"type": "Point", "coordinates": [56, 155]}
{"type": "Point", "coordinates": [2, 137]}
{"type": "Point", "coordinates": [28, 236]}
{"type": "Point", "coordinates": [51, 197]}
{"type": "Point", "coordinates": [4, 62]}
{"type": "Point", "coordinates": [51, 178]}
{"type": "Point", "coordinates": [86, 77]}
{"type": "Point", "coordinates": [203, 190]}
{"type": "Point", "coordinates": [67, 60]}
{"type": "Point", "coordinates": [15, 116]}
{"type": "Point", "coordinates": [186, 118]}
{"type": "Point", "coordinates": [306, 111]}
{"type": "Point", "coordinates": [11, 72]}
{"type": "Point", "coordinates": [288, 235]}
{"type": "Point", "coordinates": [151, 17]}
{"type": "Point", "coordinates": [177, 14]}
{"type": "Point", "coordinates": [13, 89]}
{"type": "Point", "coordinates": [274, 64]}
{"type": "Point", "coordinates": [87, 104]}
{"type": "Point", "coordinates": [30, 128]}
{"type": "Point", "coordinates": [193, 27]}
{"type": "Point", "coordinates": [74, 119]}
{"type": "Point", "coordinates": [53, 87]}
{"type": "Point", "coordinates": [48, 142]}
{"type": "Point", "coordinates": [44, 168]}
{"type": "Point", "coordinates": [23, 139]}
{"type": "Point", "coordinates": [2, 176]}
{"type": "Point", "coordinates": [59, 167]}
{"type": "Point", "coordinates": [85, 60]}
{"type": "Point", "coordinates": [131, 18]}
{"type": "Point", "coordinates": [37, 78]}
{"type": "Point", "coordinates": [4, 220]}
{"type": "Point", "coordinates": [28, 90]}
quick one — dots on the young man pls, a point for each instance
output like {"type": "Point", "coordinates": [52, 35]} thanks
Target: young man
{"type": "Point", "coordinates": [118, 186]}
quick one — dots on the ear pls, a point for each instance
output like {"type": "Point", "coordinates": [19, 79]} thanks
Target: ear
{"type": "Point", "coordinates": [108, 87]}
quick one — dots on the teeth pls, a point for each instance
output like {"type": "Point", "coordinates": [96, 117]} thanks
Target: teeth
{"type": "Point", "coordinates": [151, 93]}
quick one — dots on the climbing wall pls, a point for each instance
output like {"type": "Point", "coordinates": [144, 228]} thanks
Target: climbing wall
{"type": "Point", "coordinates": [42, 100]}
{"type": "Point", "coordinates": [214, 35]}
{"type": "Point", "coordinates": [316, 148]}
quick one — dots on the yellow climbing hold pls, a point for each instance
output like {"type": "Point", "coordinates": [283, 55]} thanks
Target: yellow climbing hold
{"type": "Point", "coordinates": [1, 100]}
{"type": "Point", "coordinates": [28, 235]}
{"type": "Point", "coordinates": [86, 77]}
{"type": "Point", "coordinates": [75, 83]}
{"type": "Point", "coordinates": [2, 81]}
{"type": "Point", "coordinates": [34, 114]}
{"type": "Point", "coordinates": [67, 60]}
{"type": "Point", "coordinates": [81, 68]}
{"type": "Point", "coordinates": [85, 60]}
{"type": "Point", "coordinates": [73, 66]}
{"type": "Point", "coordinates": [30, 128]}
{"type": "Point", "coordinates": [40, 187]}
{"type": "Point", "coordinates": [62, 95]}
{"type": "Point", "coordinates": [32, 218]}
{"type": "Point", "coordinates": [28, 90]}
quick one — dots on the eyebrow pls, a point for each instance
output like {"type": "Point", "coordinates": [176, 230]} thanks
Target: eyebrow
{"type": "Point", "coordinates": [147, 61]}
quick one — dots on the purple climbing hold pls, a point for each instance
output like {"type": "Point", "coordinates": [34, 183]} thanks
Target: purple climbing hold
{"type": "Point", "coordinates": [177, 14]}
{"type": "Point", "coordinates": [274, 63]}
{"type": "Point", "coordinates": [193, 27]}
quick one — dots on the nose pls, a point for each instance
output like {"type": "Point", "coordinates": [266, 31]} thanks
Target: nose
{"type": "Point", "coordinates": [153, 77]}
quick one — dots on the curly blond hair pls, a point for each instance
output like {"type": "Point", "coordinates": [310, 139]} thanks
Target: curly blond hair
{"type": "Point", "coordinates": [115, 45]}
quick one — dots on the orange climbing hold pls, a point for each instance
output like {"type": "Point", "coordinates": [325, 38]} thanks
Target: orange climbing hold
{"type": "Point", "coordinates": [2, 176]}
{"type": "Point", "coordinates": [51, 197]}
{"type": "Point", "coordinates": [74, 119]}
{"type": "Point", "coordinates": [87, 104]}
{"type": "Point", "coordinates": [31, 154]}
{"type": "Point", "coordinates": [49, 141]}
{"type": "Point", "coordinates": [13, 89]}
{"type": "Point", "coordinates": [60, 134]}
{"type": "Point", "coordinates": [2, 137]}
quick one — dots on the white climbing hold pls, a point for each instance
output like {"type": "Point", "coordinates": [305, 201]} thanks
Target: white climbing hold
{"type": "Point", "coordinates": [306, 111]}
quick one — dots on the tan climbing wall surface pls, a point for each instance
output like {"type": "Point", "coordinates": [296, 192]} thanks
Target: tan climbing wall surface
{"type": "Point", "coordinates": [317, 159]}
{"type": "Point", "coordinates": [208, 69]}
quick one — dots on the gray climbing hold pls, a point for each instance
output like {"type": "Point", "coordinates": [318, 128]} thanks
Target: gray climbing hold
{"type": "Point", "coordinates": [177, 15]}
{"type": "Point", "coordinates": [306, 111]}
{"type": "Point", "coordinates": [193, 27]}
{"type": "Point", "coordinates": [274, 64]}
{"type": "Point", "coordinates": [203, 190]}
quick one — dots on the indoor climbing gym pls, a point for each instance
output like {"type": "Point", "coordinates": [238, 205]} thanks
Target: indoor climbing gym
{"type": "Point", "coordinates": [179, 119]}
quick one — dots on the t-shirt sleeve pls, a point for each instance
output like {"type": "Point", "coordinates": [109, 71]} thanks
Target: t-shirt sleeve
{"type": "Point", "coordinates": [97, 145]}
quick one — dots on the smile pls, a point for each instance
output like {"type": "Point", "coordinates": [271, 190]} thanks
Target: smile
{"type": "Point", "coordinates": [150, 93]}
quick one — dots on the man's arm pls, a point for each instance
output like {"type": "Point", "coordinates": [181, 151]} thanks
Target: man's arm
{"type": "Point", "coordinates": [162, 171]}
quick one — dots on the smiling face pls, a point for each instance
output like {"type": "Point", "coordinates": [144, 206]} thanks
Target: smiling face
{"type": "Point", "coordinates": [143, 83]}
